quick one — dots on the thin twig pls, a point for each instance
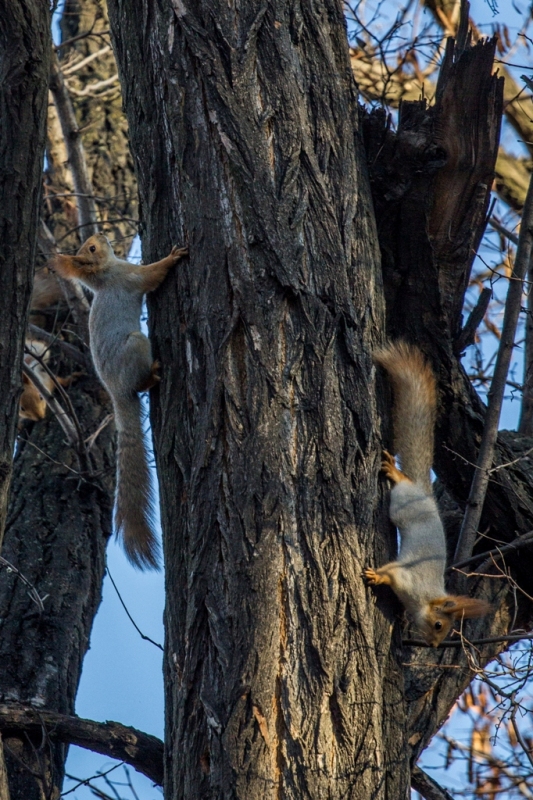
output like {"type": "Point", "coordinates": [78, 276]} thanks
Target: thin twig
{"type": "Point", "coordinates": [90, 440]}
{"type": "Point", "coordinates": [513, 303]}
{"type": "Point", "coordinates": [521, 541]}
{"type": "Point", "coordinates": [69, 349]}
{"type": "Point", "coordinates": [141, 634]}
{"type": "Point", "coordinates": [79, 440]}
{"type": "Point", "coordinates": [83, 63]}
{"type": "Point", "coordinates": [87, 781]}
{"type": "Point", "coordinates": [510, 637]}
{"type": "Point", "coordinates": [87, 216]}
{"type": "Point", "coordinates": [33, 594]}
{"type": "Point", "coordinates": [493, 222]}
{"type": "Point", "coordinates": [467, 335]}
{"type": "Point", "coordinates": [92, 87]}
{"type": "Point", "coordinates": [55, 406]}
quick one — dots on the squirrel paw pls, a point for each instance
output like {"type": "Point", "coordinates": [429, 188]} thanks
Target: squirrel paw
{"type": "Point", "coordinates": [390, 470]}
{"type": "Point", "coordinates": [372, 576]}
{"type": "Point", "coordinates": [375, 578]}
{"type": "Point", "coordinates": [178, 252]}
{"type": "Point", "coordinates": [153, 378]}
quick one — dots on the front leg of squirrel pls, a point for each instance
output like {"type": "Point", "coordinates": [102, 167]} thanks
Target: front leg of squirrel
{"type": "Point", "coordinates": [417, 576]}
{"type": "Point", "coordinates": [122, 357]}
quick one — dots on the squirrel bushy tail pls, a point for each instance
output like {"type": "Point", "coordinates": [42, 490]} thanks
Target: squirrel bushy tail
{"type": "Point", "coordinates": [414, 408]}
{"type": "Point", "coordinates": [134, 511]}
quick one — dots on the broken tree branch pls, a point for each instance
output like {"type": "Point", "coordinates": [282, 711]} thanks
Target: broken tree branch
{"type": "Point", "coordinates": [140, 750]}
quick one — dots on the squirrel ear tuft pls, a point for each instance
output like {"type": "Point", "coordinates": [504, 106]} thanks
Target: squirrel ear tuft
{"type": "Point", "coordinates": [461, 606]}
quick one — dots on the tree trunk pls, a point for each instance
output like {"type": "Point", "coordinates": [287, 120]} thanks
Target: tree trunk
{"type": "Point", "coordinates": [24, 62]}
{"type": "Point", "coordinates": [280, 677]}
{"type": "Point", "coordinates": [60, 514]}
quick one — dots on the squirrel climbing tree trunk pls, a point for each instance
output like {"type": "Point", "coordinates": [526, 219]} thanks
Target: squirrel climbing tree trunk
{"type": "Point", "coordinates": [285, 676]}
{"type": "Point", "coordinates": [59, 517]}
{"type": "Point", "coordinates": [265, 425]}
{"type": "Point", "coordinates": [282, 676]}
{"type": "Point", "coordinates": [25, 44]}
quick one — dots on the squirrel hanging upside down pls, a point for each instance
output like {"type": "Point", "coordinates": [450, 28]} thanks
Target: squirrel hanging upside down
{"type": "Point", "coordinates": [122, 357]}
{"type": "Point", "coordinates": [417, 577]}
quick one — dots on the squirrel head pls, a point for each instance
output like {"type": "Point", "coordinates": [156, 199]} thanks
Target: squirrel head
{"type": "Point", "coordinates": [32, 405]}
{"type": "Point", "coordinates": [436, 620]}
{"type": "Point", "coordinates": [92, 257]}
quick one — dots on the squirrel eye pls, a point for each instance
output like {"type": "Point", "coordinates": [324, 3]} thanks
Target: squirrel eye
{"type": "Point", "coordinates": [92, 248]}
{"type": "Point", "coordinates": [438, 626]}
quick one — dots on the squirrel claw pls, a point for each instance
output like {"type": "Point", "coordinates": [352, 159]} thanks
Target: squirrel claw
{"type": "Point", "coordinates": [371, 576]}
{"type": "Point", "coordinates": [179, 252]}
{"type": "Point", "coordinates": [390, 470]}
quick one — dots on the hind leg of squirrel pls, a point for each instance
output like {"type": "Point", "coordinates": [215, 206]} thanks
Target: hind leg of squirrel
{"type": "Point", "coordinates": [153, 378]}
{"type": "Point", "coordinates": [390, 470]}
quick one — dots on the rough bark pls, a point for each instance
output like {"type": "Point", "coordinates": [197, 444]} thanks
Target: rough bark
{"type": "Point", "coordinates": [59, 520]}
{"type": "Point", "coordinates": [429, 230]}
{"type": "Point", "coordinates": [280, 679]}
{"type": "Point", "coordinates": [24, 65]}
{"type": "Point", "coordinates": [256, 334]}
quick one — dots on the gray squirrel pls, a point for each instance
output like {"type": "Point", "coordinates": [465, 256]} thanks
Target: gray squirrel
{"type": "Point", "coordinates": [122, 357]}
{"type": "Point", "coordinates": [417, 577]}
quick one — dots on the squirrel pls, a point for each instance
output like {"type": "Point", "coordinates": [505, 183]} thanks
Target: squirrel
{"type": "Point", "coordinates": [122, 357]}
{"type": "Point", "coordinates": [32, 405]}
{"type": "Point", "coordinates": [417, 577]}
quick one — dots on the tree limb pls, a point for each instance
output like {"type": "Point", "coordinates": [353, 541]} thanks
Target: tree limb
{"type": "Point", "coordinates": [513, 302]}
{"type": "Point", "coordinates": [427, 787]}
{"type": "Point", "coordinates": [76, 155]}
{"type": "Point", "coordinates": [138, 749]}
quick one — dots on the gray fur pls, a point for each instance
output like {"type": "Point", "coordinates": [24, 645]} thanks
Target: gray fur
{"type": "Point", "coordinates": [422, 556]}
{"type": "Point", "coordinates": [123, 358]}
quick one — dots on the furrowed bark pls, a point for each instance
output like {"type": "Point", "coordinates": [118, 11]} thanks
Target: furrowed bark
{"type": "Point", "coordinates": [57, 528]}
{"type": "Point", "coordinates": [60, 520]}
{"type": "Point", "coordinates": [441, 162]}
{"type": "Point", "coordinates": [244, 130]}
{"type": "Point", "coordinates": [24, 65]}
{"type": "Point", "coordinates": [25, 47]}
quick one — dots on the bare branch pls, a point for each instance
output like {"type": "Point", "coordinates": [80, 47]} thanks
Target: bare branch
{"type": "Point", "coordinates": [76, 154]}
{"type": "Point", "coordinates": [68, 349]}
{"type": "Point", "coordinates": [521, 541]}
{"type": "Point", "coordinates": [510, 637]}
{"type": "Point", "coordinates": [513, 303]}
{"type": "Point", "coordinates": [56, 407]}
{"type": "Point", "coordinates": [83, 63]}
{"type": "Point", "coordinates": [92, 88]}
{"type": "Point", "coordinates": [427, 787]}
{"type": "Point", "coordinates": [140, 750]}
{"type": "Point", "coordinates": [468, 333]}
